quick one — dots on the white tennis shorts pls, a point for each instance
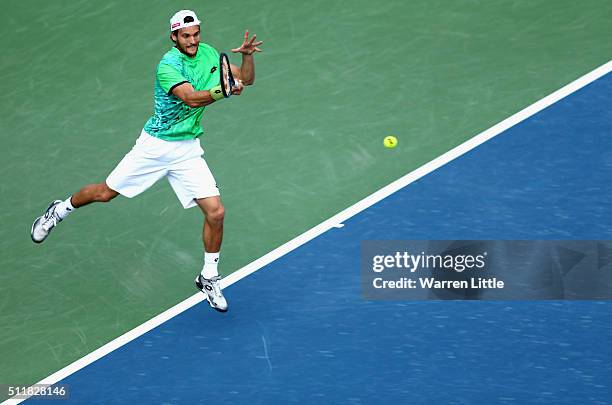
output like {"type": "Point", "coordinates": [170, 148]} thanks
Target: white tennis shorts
{"type": "Point", "coordinates": [152, 158]}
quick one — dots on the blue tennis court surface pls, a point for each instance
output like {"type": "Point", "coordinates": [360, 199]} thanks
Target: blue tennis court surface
{"type": "Point", "coordinates": [299, 331]}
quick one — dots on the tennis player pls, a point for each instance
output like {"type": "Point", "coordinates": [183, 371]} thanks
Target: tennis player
{"type": "Point", "coordinates": [187, 80]}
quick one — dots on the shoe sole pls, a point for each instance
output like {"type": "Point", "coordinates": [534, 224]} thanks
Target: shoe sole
{"type": "Point", "coordinates": [32, 231]}
{"type": "Point", "coordinates": [201, 288]}
{"type": "Point", "coordinates": [38, 219]}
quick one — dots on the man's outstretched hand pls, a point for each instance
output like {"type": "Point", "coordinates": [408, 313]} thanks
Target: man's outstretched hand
{"type": "Point", "coordinates": [249, 46]}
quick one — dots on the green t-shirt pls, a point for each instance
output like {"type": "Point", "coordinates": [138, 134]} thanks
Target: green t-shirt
{"type": "Point", "coordinates": [173, 120]}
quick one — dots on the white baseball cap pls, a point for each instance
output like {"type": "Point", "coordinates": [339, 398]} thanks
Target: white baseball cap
{"type": "Point", "coordinates": [183, 19]}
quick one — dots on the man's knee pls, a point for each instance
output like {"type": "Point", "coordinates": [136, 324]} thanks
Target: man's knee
{"type": "Point", "coordinates": [106, 193]}
{"type": "Point", "coordinates": [216, 215]}
{"type": "Point", "coordinates": [212, 208]}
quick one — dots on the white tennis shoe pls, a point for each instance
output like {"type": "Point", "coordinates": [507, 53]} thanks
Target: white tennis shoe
{"type": "Point", "coordinates": [212, 288]}
{"type": "Point", "coordinates": [43, 225]}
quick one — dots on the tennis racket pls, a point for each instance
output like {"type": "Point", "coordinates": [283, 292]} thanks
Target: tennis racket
{"type": "Point", "coordinates": [227, 79]}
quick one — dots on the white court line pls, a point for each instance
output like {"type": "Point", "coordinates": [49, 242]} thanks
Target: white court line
{"type": "Point", "coordinates": [330, 223]}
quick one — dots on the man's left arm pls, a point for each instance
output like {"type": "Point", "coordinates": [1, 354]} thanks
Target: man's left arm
{"type": "Point", "coordinates": [246, 72]}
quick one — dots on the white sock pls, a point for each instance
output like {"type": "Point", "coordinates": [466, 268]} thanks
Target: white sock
{"type": "Point", "coordinates": [64, 208]}
{"type": "Point", "coordinates": [211, 261]}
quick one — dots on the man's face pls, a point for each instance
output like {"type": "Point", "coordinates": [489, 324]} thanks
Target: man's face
{"type": "Point", "coordinates": [187, 40]}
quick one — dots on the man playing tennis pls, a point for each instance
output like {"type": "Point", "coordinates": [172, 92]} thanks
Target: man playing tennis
{"type": "Point", "coordinates": [187, 80]}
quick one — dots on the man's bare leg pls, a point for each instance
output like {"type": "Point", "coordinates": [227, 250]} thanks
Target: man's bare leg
{"type": "Point", "coordinates": [100, 192]}
{"type": "Point", "coordinates": [58, 210]}
{"type": "Point", "coordinates": [212, 236]}
{"type": "Point", "coordinates": [214, 213]}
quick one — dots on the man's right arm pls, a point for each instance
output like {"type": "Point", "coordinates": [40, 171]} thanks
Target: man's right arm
{"type": "Point", "coordinates": [172, 81]}
{"type": "Point", "coordinates": [193, 98]}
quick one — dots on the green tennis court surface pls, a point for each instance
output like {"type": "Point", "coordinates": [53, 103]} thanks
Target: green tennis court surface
{"type": "Point", "coordinates": [302, 144]}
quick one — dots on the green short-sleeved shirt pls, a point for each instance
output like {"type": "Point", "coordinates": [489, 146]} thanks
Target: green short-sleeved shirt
{"type": "Point", "coordinates": [173, 120]}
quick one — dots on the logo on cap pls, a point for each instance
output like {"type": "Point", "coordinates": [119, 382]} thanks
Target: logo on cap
{"type": "Point", "coordinates": [176, 24]}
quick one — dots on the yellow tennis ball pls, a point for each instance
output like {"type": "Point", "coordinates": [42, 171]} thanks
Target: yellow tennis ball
{"type": "Point", "coordinates": [390, 142]}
